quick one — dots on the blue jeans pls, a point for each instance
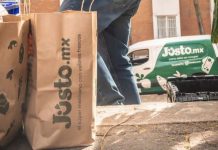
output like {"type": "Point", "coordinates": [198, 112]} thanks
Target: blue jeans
{"type": "Point", "coordinates": [115, 79]}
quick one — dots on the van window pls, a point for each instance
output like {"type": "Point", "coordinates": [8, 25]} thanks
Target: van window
{"type": "Point", "coordinates": [139, 57]}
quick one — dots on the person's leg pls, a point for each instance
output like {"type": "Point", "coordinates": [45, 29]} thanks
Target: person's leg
{"type": "Point", "coordinates": [116, 38]}
{"type": "Point", "coordinates": [108, 12]}
{"type": "Point", "coordinates": [107, 91]}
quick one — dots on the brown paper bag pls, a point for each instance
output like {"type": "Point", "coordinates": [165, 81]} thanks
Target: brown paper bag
{"type": "Point", "coordinates": [13, 58]}
{"type": "Point", "coordinates": [61, 109]}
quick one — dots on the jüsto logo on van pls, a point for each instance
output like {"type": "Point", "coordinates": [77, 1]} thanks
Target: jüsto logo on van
{"type": "Point", "coordinates": [181, 50]}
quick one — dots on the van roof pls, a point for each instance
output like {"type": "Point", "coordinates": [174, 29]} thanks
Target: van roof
{"type": "Point", "coordinates": [158, 42]}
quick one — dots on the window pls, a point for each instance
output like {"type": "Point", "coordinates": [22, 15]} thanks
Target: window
{"type": "Point", "coordinates": [166, 26]}
{"type": "Point", "coordinates": [139, 57]}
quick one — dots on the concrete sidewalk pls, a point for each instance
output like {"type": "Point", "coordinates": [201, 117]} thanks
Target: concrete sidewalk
{"type": "Point", "coordinates": [159, 113]}
{"type": "Point", "coordinates": [154, 125]}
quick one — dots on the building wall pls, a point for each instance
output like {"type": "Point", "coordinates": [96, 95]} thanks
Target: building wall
{"type": "Point", "coordinates": [166, 8]}
{"type": "Point", "coordinates": [189, 25]}
{"type": "Point", "coordinates": [41, 6]}
{"type": "Point", "coordinates": [142, 23]}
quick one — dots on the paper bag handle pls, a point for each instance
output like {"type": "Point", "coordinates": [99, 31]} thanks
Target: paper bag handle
{"type": "Point", "coordinates": [26, 7]}
{"type": "Point", "coordinates": [90, 7]}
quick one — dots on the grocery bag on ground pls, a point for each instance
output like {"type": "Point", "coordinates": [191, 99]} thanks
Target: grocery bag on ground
{"type": "Point", "coordinates": [13, 60]}
{"type": "Point", "coordinates": [62, 104]}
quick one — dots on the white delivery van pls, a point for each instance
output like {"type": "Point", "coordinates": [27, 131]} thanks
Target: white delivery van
{"type": "Point", "coordinates": [156, 60]}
